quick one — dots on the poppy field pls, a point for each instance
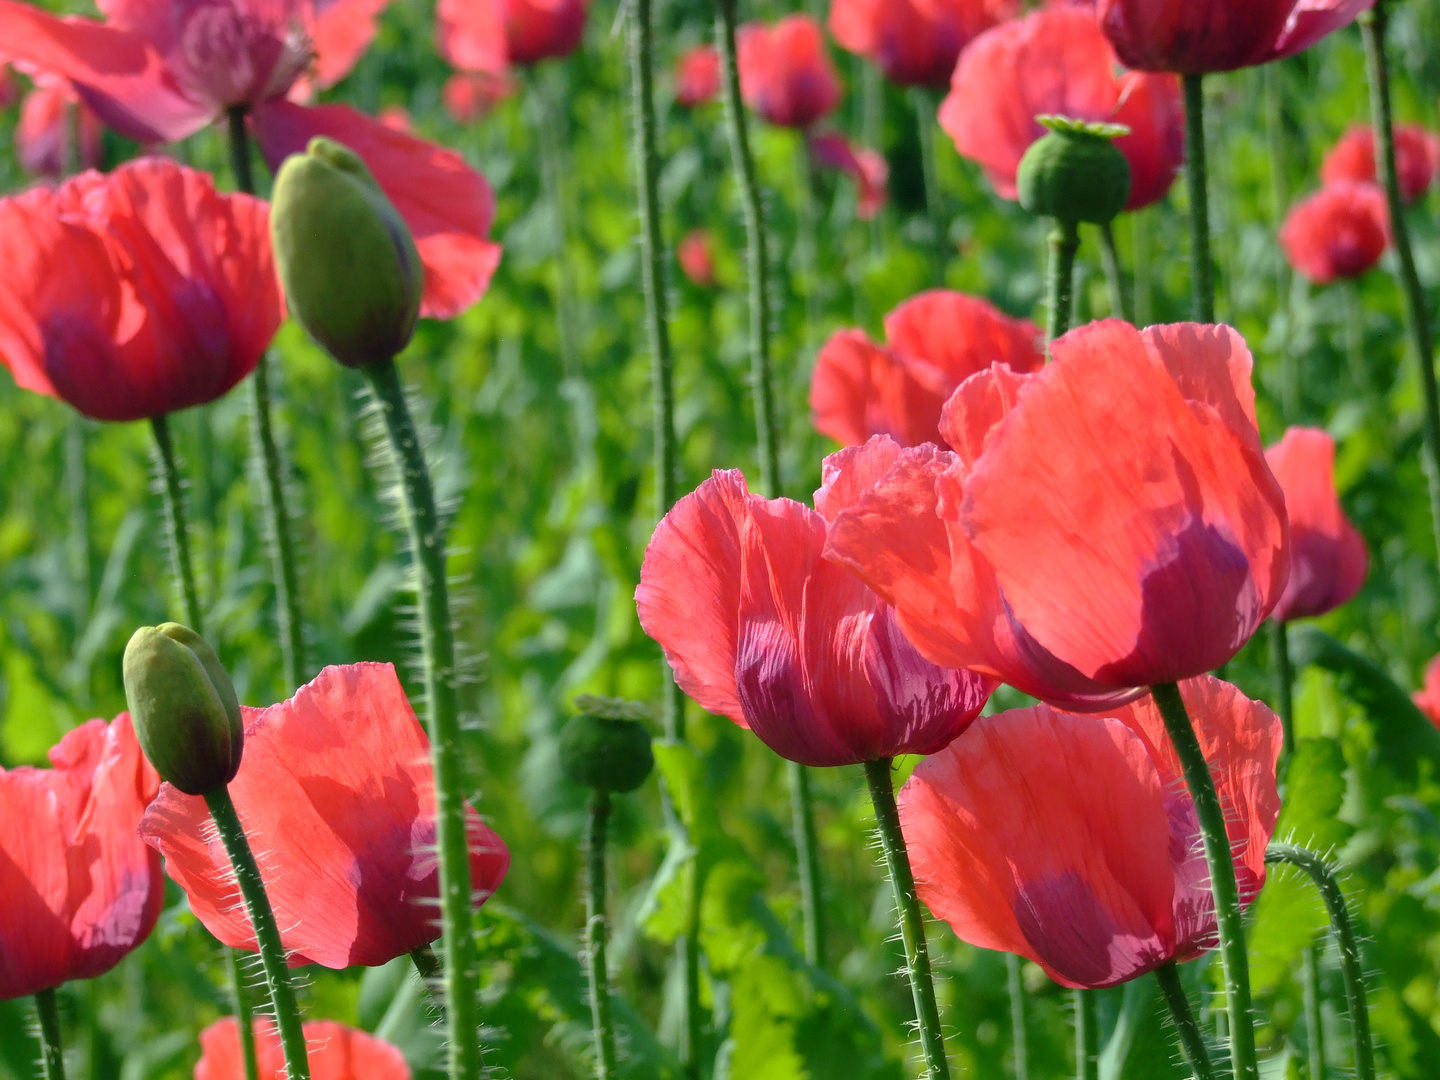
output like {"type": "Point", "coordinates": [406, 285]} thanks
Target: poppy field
{"type": "Point", "coordinates": [718, 540]}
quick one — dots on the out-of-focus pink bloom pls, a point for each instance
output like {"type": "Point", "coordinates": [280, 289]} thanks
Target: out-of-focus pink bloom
{"type": "Point", "coordinates": [1428, 699]}
{"type": "Point", "coordinates": [868, 168]}
{"type": "Point", "coordinates": [470, 95]}
{"type": "Point", "coordinates": [1339, 232]}
{"type": "Point", "coordinates": [491, 35]}
{"type": "Point", "coordinates": [1057, 61]}
{"type": "Point", "coordinates": [396, 118]}
{"type": "Point", "coordinates": [54, 128]}
{"type": "Point", "coordinates": [915, 42]}
{"type": "Point", "coordinates": [1417, 158]}
{"type": "Point", "coordinates": [9, 88]}
{"type": "Point", "coordinates": [697, 76]}
{"type": "Point", "coordinates": [696, 255]}
{"type": "Point", "coordinates": [785, 71]}
{"type": "Point", "coordinates": [336, 1052]}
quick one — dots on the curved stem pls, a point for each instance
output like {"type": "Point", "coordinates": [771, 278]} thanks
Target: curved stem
{"type": "Point", "coordinates": [1323, 876]}
{"type": "Point", "coordinates": [802, 810]}
{"type": "Point", "coordinates": [267, 933]}
{"type": "Point", "coordinates": [1060, 284]}
{"type": "Point", "coordinates": [1016, 986]}
{"type": "Point", "coordinates": [177, 531]}
{"type": "Point", "coordinates": [244, 1017]}
{"type": "Point", "coordinates": [1114, 276]}
{"type": "Point", "coordinates": [1192, 1039]}
{"type": "Point", "coordinates": [52, 1053]}
{"type": "Point", "coordinates": [1372, 28]}
{"type": "Point", "coordinates": [595, 931]}
{"type": "Point", "coordinates": [1202, 270]}
{"type": "Point", "coordinates": [912, 924]}
{"type": "Point", "coordinates": [924, 106]}
{"type": "Point", "coordinates": [1284, 674]}
{"type": "Point", "coordinates": [1221, 864]}
{"type": "Point", "coordinates": [1314, 1023]}
{"type": "Point", "coordinates": [1087, 1053]}
{"type": "Point", "coordinates": [442, 715]}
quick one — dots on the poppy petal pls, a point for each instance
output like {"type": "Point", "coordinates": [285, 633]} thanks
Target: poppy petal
{"type": "Point", "coordinates": [335, 1051]}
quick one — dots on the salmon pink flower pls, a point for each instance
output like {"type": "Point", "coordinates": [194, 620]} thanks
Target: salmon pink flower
{"type": "Point", "coordinates": [1339, 232]}
{"type": "Point", "coordinates": [336, 1052]}
{"type": "Point", "coordinates": [697, 76]}
{"type": "Point", "coordinates": [696, 255]}
{"type": "Point", "coordinates": [915, 42]}
{"type": "Point", "coordinates": [759, 628]}
{"type": "Point", "coordinates": [785, 72]}
{"type": "Point", "coordinates": [50, 118]}
{"type": "Point", "coordinates": [1218, 35]}
{"type": "Point", "coordinates": [337, 797]}
{"type": "Point", "coordinates": [1328, 560]}
{"type": "Point", "coordinates": [1073, 842]}
{"type": "Point", "coordinates": [1103, 525]}
{"type": "Point", "coordinates": [868, 168]}
{"type": "Point", "coordinates": [937, 340]}
{"type": "Point", "coordinates": [488, 36]}
{"type": "Point", "coordinates": [1428, 699]}
{"type": "Point", "coordinates": [467, 97]}
{"type": "Point", "coordinates": [137, 293]}
{"type": "Point", "coordinates": [81, 889]}
{"type": "Point", "coordinates": [1417, 159]}
{"type": "Point", "coordinates": [1057, 61]}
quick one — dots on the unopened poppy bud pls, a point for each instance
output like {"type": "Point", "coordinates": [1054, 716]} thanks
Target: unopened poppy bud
{"type": "Point", "coordinates": [346, 259]}
{"type": "Point", "coordinates": [183, 707]}
{"type": "Point", "coordinates": [605, 747]}
{"type": "Point", "coordinates": [1075, 173]}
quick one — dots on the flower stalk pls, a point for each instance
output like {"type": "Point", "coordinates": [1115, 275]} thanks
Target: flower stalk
{"type": "Point", "coordinates": [1284, 675]}
{"type": "Point", "coordinates": [1202, 268]}
{"type": "Point", "coordinates": [924, 106]}
{"type": "Point", "coordinates": [595, 935]}
{"type": "Point", "coordinates": [1192, 1039]}
{"type": "Point", "coordinates": [52, 1054]}
{"type": "Point", "coordinates": [1114, 275]}
{"type": "Point", "coordinates": [172, 491]}
{"type": "Point", "coordinates": [244, 1017]}
{"type": "Point", "coordinates": [1087, 1038]}
{"type": "Point", "coordinates": [1064, 243]}
{"type": "Point", "coordinates": [1016, 987]}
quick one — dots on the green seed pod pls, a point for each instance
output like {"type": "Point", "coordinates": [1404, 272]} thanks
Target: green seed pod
{"type": "Point", "coordinates": [1075, 173]}
{"type": "Point", "coordinates": [184, 708]}
{"type": "Point", "coordinates": [604, 751]}
{"type": "Point", "coordinates": [346, 259]}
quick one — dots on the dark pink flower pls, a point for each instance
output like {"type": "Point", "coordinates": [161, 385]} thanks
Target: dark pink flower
{"type": "Point", "coordinates": [915, 42]}
{"type": "Point", "coordinates": [1339, 232]}
{"type": "Point", "coordinates": [785, 71]}
{"type": "Point", "coordinates": [50, 118]}
{"type": "Point", "coordinates": [868, 168]}
{"type": "Point", "coordinates": [1417, 158]}
{"type": "Point", "coordinates": [697, 76]}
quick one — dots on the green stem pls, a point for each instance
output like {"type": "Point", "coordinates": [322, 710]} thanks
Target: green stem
{"type": "Point", "coordinates": [1202, 269]}
{"type": "Point", "coordinates": [178, 532]}
{"type": "Point", "coordinates": [427, 964]}
{"type": "Point", "coordinates": [267, 932]}
{"type": "Point", "coordinates": [1284, 674]}
{"type": "Point", "coordinates": [1314, 1023]}
{"type": "Point", "coordinates": [1221, 864]}
{"type": "Point", "coordinates": [912, 924]}
{"type": "Point", "coordinates": [1353, 314]}
{"type": "Point", "coordinates": [1087, 1053]}
{"type": "Point", "coordinates": [244, 1017]}
{"type": "Point", "coordinates": [1351, 970]}
{"type": "Point", "coordinates": [595, 930]}
{"type": "Point", "coordinates": [442, 714]}
{"type": "Point", "coordinates": [808, 242]}
{"type": "Point", "coordinates": [77, 488]}
{"type": "Point", "coordinates": [552, 184]}
{"type": "Point", "coordinates": [1064, 243]}
{"type": "Point", "coordinates": [1372, 28]}
{"type": "Point", "coordinates": [1016, 986]}
{"type": "Point", "coordinates": [1192, 1039]}
{"type": "Point", "coordinates": [1114, 276]}
{"type": "Point", "coordinates": [1140, 245]}
{"type": "Point", "coordinates": [239, 142]}
{"type": "Point", "coordinates": [924, 105]}
{"type": "Point", "coordinates": [52, 1054]}
{"type": "Point", "coordinates": [802, 809]}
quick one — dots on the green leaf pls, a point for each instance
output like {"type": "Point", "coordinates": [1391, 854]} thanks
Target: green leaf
{"type": "Point", "coordinates": [1314, 794]}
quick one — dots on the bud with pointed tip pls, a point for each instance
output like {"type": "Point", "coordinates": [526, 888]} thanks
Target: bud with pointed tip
{"type": "Point", "coordinates": [183, 707]}
{"type": "Point", "coordinates": [1075, 173]}
{"type": "Point", "coordinates": [346, 259]}
{"type": "Point", "coordinates": [605, 747]}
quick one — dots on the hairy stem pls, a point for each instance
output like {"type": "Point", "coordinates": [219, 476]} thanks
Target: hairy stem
{"type": "Point", "coordinates": [1284, 675]}
{"type": "Point", "coordinates": [595, 933]}
{"type": "Point", "coordinates": [442, 715]}
{"type": "Point", "coordinates": [1060, 282]}
{"type": "Point", "coordinates": [52, 1053]}
{"type": "Point", "coordinates": [1087, 1039]}
{"type": "Point", "coordinates": [1202, 269]}
{"type": "Point", "coordinates": [1114, 276]}
{"type": "Point", "coordinates": [267, 933]}
{"type": "Point", "coordinates": [1221, 863]}
{"type": "Point", "coordinates": [1314, 1023]}
{"type": "Point", "coordinates": [244, 1017]}
{"type": "Point", "coordinates": [802, 808]}
{"type": "Point", "coordinates": [177, 530]}
{"type": "Point", "coordinates": [1192, 1039]}
{"type": "Point", "coordinates": [1016, 986]}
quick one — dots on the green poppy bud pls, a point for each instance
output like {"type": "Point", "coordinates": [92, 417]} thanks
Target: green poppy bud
{"type": "Point", "coordinates": [183, 707]}
{"type": "Point", "coordinates": [1075, 173]}
{"type": "Point", "coordinates": [346, 259]}
{"type": "Point", "coordinates": [605, 747]}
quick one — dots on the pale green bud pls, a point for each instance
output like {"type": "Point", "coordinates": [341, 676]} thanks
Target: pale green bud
{"type": "Point", "coordinates": [1075, 173]}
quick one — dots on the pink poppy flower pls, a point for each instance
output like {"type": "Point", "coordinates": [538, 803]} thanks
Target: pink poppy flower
{"type": "Point", "coordinates": [488, 36]}
{"type": "Point", "coordinates": [915, 42]}
{"type": "Point", "coordinates": [336, 1052]}
{"type": "Point", "coordinates": [50, 117]}
{"type": "Point", "coordinates": [697, 76]}
{"type": "Point", "coordinates": [868, 168]}
{"type": "Point", "coordinates": [1339, 232]}
{"type": "Point", "coordinates": [696, 255]}
{"type": "Point", "coordinates": [1417, 159]}
{"type": "Point", "coordinates": [785, 71]}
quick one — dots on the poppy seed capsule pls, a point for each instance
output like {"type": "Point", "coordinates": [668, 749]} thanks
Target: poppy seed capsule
{"type": "Point", "coordinates": [609, 755]}
{"type": "Point", "coordinates": [351, 273]}
{"type": "Point", "coordinates": [1074, 173]}
{"type": "Point", "coordinates": [183, 707]}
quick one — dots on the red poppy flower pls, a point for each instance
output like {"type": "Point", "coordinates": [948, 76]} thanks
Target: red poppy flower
{"type": "Point", "coordinates": [1328, 559]}
{"type": "Point", "coordinates": [160, 70]}
{"type": "Point", "coordinates": [937, 340]}
{"type": "Point", "coordinates": [1073, 842]}
{"type": "Point", "coordinates": [467, 97]}
{"type": "Point", "coordinates": [1104, 524]}
{"type": "Point", "coordinates": [697, 76]}
{"type": "Point", "coordinates": [50, 117]}
{"type": "Point", "coordinates": [1339, 232]}
{"type": "Point", "coordinates": [490, 35]}
{"type": "Point", "coordinates": [696, 255]}
{"type": "Point", "coordinates": [81, 889]}
{"type": "Point", "coordinates": [1428, 699]}
{"type": "Point", "coordinates": [785, 71]}
{"type": "Point", "coordinates": [1218, 35]}
{"type": "Point", "coordinates": [336, 1052]}
{"type": "Point", "coordinates": [915, 42]}
{"type": "Point", "coordinates": [1057, 61]}
{"type": "Point", "coordinates": [137, 293]}
{"type": "Point", "coordinates": [336, 795]}
{"type": "Point", "coordinates": [759, 628]}
{"type": "Point", "coordinates": [868, 168]}
{"type": "Point", "coordinates": [1417, 158]}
